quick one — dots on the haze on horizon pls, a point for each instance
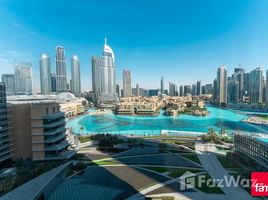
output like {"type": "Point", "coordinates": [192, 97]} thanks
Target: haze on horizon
{"type": "Point", "coordinates": [182, 40]}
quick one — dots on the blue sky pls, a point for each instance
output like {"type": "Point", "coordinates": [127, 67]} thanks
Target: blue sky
{"type": "Point", "coordinates": [183, 40]}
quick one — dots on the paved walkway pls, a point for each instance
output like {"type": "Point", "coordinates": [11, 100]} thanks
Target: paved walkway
{"type": "Point", "coordinates": [216, 171]}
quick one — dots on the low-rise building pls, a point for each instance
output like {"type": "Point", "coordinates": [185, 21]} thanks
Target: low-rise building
{"type": "Point", "coordinates": [39, 130]}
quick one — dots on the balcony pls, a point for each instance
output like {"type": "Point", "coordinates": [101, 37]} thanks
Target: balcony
{"type": "Point", "coordinates": [57, 147]}
{"type": "Point", "coordinates": [59, 114]}
{"type": "Point", "coordinates": [53, 116]}
{"type": "Point", "coordinates": [52, 132]}
{"type": "Point", "coordinates": [55, 139]}
{"type": "Point", "coordinates": [50, 124]}
{"type": "Point", "coordinates": [64, 155]}
{"type": "Point", "coordinates": [4, 146]}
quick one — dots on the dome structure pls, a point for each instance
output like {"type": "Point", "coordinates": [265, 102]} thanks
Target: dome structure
{"type": "Point", "coordinates": [66, 96]}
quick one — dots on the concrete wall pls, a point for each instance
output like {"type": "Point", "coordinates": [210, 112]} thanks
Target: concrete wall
{"type": "Point", "coordinates": [20, 116]}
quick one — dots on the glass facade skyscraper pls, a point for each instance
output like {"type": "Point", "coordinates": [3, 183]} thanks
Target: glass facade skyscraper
{"type": "Point", "coordinates": [75, 74]}
{"type": "Point", "coordinates": [198, 88]}
{"type": "Point", "coordinates": [45, 74]}
{"type": "Point", "coordinates": [53, 82]}
{"type": "Point", "coordinates": [9, 80]}
{"type": "Point", "coordinates": [256, 86]}
{"type": "Point", "coordinates": [61, 77]}
{"type": "Point", "coordinates": [239, 74]}
{"type": "Point", "coordinates": [96, 65]}
{"type": "Point", "coordinates": [107, 74]}
{"type": "Point", "coordinates": [23, 79]}
{"type": "Point", "coordinates": [103, 75]}
{"type": "Point", "coordinates": [232, 91]}
{"type": "Point", "coordinates": [222, 85]}
{"type": "Point", "coordinates": [5, 146]}
{"type": "Point", "coordinates": [162, 85]}
{"type": "Point", "coordinates": [172, 89]}
{"type": "Point", "coordinates": [126, 83]}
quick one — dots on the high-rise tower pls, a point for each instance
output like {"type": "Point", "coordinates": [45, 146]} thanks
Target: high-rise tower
{"type": "Point", "coordinates": [222, 85]}
{"type": "Point", "coordinates": [126, 83]}
{"type": "Point", "coordinates": [75, 74]}
{"type": "Point", "coordinates": [45, 74]}
{"type": "Point", "coordinates": [61, 77]}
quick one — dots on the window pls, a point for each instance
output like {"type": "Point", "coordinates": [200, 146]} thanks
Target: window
{"type": "Point", "coordinates": [47, 111]}
{"type": "Point", "coordinates": [53, 109]}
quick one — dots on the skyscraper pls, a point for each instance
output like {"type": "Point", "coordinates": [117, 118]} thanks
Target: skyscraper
{"type": "Point", "coordinates": [45, 74]}
{"type": "Point", "coordinates": [222, 85]}
{"type": "Point", "coordinates": [61, 77]}
{"type": "Point", "coordinates": [6, 150]}
{"type": "Point", "coordinates": [23, 78]}
{"type": "Point", "coordinates": [53, 83]}
{"type": "Point", "coordinates": [198, 88]}
{"type": "Point", "coordinates": [181, 91]}
{"type": "Point", "coordinates": [9, 80]}
{"type": "Point", "coordinates": [75, 74]}
{"type": "Point", "coordinates": [246, 84]}
{"type": "Point", "coordinates": [232, 91]}
{"type": "Point", "coordinates": [107, 74]}
{"type": "Point", "coordinates": [162, 85]}
{"type": "Point", "coordinates": [239, 76]}
{"type": "Point", "coordinates": [256, 88]}
{"type": "Point", "coordinates": [96, 65]}
{"type": "Point", "coordinates": [137, 90]}
{"type": "Point", "coordinates": [172, 89]}
{"type": "Point", "coordinates": [118, 89]}
{"type": "Point", "coordinates": [266, 90]}
{"type": "Point", "coordinates": [194, 89]}
{"type": "Point", "coordinates": [209, 89]}
{"type": "Point", "coordinates": [126, 83]}
{"type": "Point", "coordinates": [215, 90]}
{"type": "Point", "coordinates": [187, 90]}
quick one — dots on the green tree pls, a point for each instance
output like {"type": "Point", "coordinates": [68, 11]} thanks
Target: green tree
{"type": "Point", "coordinates": [212, 136]}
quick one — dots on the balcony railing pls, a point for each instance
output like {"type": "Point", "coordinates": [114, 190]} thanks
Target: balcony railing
{"type": "Point", "coordinates": [52, 116]}
{"type": "Point", "coordinates": [55, 139]}
{"type": "Point", "coordinates": [59, 114]}
{"type": "Point", "coordinates": [51, 124]}
{"type": "Point", "coordinates": [51, 132]}
{"type": "Point", "coordinates": [57, 147]}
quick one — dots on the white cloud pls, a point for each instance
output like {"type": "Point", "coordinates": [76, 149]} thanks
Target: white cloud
{"type": "Point", "coordinates": [6, 66]}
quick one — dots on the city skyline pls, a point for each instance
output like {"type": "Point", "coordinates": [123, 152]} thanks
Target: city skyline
{"type": "Point", "coordinates": [228, 41]}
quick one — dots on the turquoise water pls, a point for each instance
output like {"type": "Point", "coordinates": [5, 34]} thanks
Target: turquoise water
{"type": "Point", "coordinates": [104, 123]}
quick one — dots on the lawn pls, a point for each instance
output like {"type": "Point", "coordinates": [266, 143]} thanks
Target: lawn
{"type": "Point", "coordinates": [179, 172]}
{"type": "Point", "coordinates": [206, 188]}
{"type": "Point", "coordinates": [192, 157]}
{"type": "Point", "coordinates": [181, 142]}
{"type": "Point", "coordinates": [84, 139]}
{"type": "Point", "coordinates": [222, 148]}
{"type": "Point", "coordinates": [227, 163]}
{"type": "Point", "coordinates": [104, 162]}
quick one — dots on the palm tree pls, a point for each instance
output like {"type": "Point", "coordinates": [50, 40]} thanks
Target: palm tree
{"type": "Point", "coordinates": [81, 129]}
{"type": "Point", "coordinates": [222, 132]}
{"type": "Point", "coordinates": [212, 135]}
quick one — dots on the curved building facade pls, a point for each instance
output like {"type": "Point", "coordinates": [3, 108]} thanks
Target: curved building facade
{"type": "Point", "coordinates": [103, 75]}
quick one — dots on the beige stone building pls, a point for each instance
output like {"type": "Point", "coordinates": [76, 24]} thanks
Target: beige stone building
{"type": "Point", "coordinates": [39, 130]}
